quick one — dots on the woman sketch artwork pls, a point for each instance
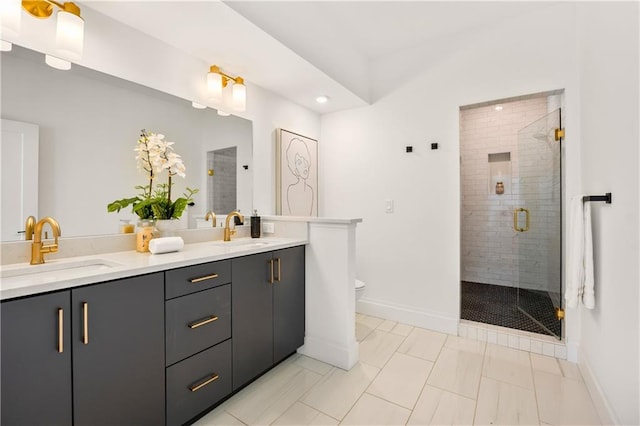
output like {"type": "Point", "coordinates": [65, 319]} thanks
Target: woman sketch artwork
{"type": "Point", "coordinates": [300, 194]}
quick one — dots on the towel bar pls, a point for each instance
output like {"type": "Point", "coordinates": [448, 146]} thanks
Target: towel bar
{"type": "Point", "coordinates": [606, 198]}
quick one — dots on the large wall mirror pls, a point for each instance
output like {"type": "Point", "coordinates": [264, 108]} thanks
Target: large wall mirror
{"type": "Point", "coordinates": [88, 124]}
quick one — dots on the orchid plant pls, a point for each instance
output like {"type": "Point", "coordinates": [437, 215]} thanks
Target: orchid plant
{"type": "Point", "coordinates": [154, 156]}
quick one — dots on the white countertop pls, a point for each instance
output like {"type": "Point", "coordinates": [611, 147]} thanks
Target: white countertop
{"type": "Point", "coordinates": [22, 279]}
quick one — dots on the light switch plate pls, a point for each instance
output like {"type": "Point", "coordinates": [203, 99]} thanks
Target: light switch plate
{"type": "Point", "coordinates": [268, 227]}
{"type": "Point", "coordinates": [388, 206]}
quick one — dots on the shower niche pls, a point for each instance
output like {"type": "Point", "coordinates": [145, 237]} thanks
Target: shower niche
{"type": "Point", "coordinates": [499, 173]}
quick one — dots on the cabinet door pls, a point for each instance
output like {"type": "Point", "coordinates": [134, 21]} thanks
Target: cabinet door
{"type": "Point", "coordinates": [288, 302]}
{"type": "Point", "coordinates": [118, 352]}
{"type": "Point", "coordinates": [36, 369]}
{"type": "Point", "coordinates": [252, 317]}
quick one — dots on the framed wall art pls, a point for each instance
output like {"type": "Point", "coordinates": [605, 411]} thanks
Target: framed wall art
{"type": "Point", "coordinates": [296, 174]}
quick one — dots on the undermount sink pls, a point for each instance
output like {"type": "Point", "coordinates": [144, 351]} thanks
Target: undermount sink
{"type": "Point", "coordinates": [18, 275]}
{"type": "Point", "coordinates": [242, 242]}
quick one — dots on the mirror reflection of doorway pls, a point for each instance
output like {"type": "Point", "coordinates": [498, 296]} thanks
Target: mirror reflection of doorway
{"type": "Point", "coordinates": [222, 180]}
{"type": "Point", "coordinates": [511, 213]}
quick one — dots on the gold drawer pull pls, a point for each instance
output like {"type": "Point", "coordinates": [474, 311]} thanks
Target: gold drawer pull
{"type": "Point", "coordinates": [85, 323]}
{"type": "Point", "coordinates": [208, 277]}
{"type": "Point", "coordinates": [60, 330]}
{"type": "Point", "coordinates": [271, 276]}
{"type": "Point", "coordinates": [203, 383]}
{"type": "Point", "coordinates": [207, 320]}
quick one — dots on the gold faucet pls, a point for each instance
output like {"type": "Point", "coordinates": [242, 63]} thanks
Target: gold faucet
{"type": "Point", "coordinates": [38, 249]}
{"type": "Point", "coordinates": [228, 232]}
{"type": "Point", "coordinates": [211, 215]}
{"type": "Point", "coordinates": [28, 228]}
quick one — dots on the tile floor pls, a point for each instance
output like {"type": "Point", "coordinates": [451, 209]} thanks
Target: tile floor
{"type": "Point", "coordinates": [408, 375]}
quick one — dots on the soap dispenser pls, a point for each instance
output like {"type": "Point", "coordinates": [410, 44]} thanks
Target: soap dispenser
{"type": "Point", "coordinates": [255, 225]}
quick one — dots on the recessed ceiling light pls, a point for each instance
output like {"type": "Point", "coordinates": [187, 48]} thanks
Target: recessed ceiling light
{"type": "Point", "coordinates": [498, 108]}
{"type": "Point", "coordinates": [197, 105]}
{"type": "Point", "coordinates": [322, 99]}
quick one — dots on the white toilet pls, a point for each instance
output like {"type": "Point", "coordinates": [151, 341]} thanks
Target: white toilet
{"type": "Point", "coordinates": [359, 288]}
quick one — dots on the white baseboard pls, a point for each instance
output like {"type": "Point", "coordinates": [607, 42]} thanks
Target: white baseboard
{"type": "Point", "coordinates": [408, 315]}
{"type": "Point", "coordinates": [330, 353]}
{"type": "Point", "coordinates": [604, 409]}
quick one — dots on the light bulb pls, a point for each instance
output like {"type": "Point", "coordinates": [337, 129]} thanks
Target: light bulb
{"type": "Point", "coordinates": [239, 95]}
{"type": "Point", "coordinates": [70, 35]}
{"type": "Point", "coordinates": [214, 85]}
{"type": "Point", "coordinates": [10, 11]}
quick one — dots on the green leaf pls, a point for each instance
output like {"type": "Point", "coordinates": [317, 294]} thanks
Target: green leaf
{"type": "Point", "coordinates": [118, 205]}
{"type": "Point", "coordinates": [178, 207]}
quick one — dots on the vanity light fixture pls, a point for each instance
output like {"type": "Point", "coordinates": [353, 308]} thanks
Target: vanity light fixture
{"type": "Point", "coordinates": [5, 46]}
{"type": "Point", "coordinates": [222, 113]}
{"type": "Point", "coordinates": [218, 80]}
{"type": "Point", "coordinates": [69, 29]}
{"type": "Point", "coordinates": [196, 105]}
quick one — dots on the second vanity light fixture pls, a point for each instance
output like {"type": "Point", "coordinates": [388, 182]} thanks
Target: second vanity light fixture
{"type": "Point", "coordinates": [217, 81]}
{"type": "Point", "coordinates": [69, 39]}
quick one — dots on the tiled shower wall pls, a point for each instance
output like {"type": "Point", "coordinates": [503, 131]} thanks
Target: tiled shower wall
{"type": "Point", "coordinates": [489, 242]}
{"type": "Point", "coordinates": [222, 186]}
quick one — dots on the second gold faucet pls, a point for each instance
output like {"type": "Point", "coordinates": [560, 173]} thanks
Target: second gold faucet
{"type": "Point", "coordinates": [38, 249]}
{"type": "Point", "coordinates": [227, 231]}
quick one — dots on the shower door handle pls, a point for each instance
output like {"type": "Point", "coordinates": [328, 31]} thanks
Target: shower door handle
{"type": "Point", "coordinates": [515, 219]}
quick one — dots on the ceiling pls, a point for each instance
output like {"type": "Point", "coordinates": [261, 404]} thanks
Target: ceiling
{"type": "Point", "coordinates": [354, 52]}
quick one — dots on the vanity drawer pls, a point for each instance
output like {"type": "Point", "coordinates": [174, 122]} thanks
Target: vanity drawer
{"type": "Point", "coordinates": [196, 278]}
{"type": "Point", "coordinates": [188, 393]}
{"type": "Point", "coordinates": [196, 322]}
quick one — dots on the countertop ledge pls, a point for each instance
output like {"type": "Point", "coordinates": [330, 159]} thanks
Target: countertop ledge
{"type": "Point", "coordinates": [72, 272]}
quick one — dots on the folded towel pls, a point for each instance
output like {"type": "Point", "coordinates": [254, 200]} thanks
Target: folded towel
{"type": "Point", "coordinates": [588, 296]}
{"type": "Point", "coordinates": [580, 283]}
{"type": "Point", "coordinates": [165, 245]}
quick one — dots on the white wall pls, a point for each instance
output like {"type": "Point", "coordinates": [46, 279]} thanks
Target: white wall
{"type": "Point", "coordinates": [608, 48]}
{"type": "Point", "coordinates": [410, 259]}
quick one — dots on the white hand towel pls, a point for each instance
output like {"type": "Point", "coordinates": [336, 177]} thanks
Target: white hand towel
{"type": "Point", "coordinates": [165, 245]}
{"type": "Point", "coordinates": [588, 296]}
{"type": "Point", "coordinates": [580, 283]}
{"type": "Point", "coordinates": [575, 264]}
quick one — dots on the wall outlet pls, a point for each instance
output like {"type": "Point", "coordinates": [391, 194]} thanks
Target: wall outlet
{"type": "Point", "coordinates": [268, 227]}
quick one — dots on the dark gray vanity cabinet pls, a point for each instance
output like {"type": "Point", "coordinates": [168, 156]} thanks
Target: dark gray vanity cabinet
{"type": "Point", "coordinates": [267, 310]}
{"type": "Point", "coordinates": [288, 302]}
{"type": "Point", "coordinates": [118, 352]}
{"type": "Point", "coordinates": [198, 339]}
{"type": "Point", "coordinates": [92, 355]}
{"type": "Point", "coordinates": [36, 360]}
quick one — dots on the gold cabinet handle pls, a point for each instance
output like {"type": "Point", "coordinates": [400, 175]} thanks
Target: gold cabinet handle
{"type": "Point", "coordinates": [515, 219]}
{"type": "Point", "coordinates": [279, 270]}
{"type": "Point", "coordinates": [208, 277]}
{"type": "Point", "coordinates": [203, 382]}
{"type": "Point", "coordinates": [202, 322]}
{"type": "Point", "coordinates": [85, 323]}
{"type": "Point", "coordinates": [271, 278]}
{"type": "Point", "coordinates": [60, 330]}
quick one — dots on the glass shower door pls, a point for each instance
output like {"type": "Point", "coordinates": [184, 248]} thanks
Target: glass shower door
{"type": "Point", "coordinates": [537, 221]}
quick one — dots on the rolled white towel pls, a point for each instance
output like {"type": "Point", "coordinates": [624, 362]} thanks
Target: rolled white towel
{"type": "Point", "coordinates": [165, 245]}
